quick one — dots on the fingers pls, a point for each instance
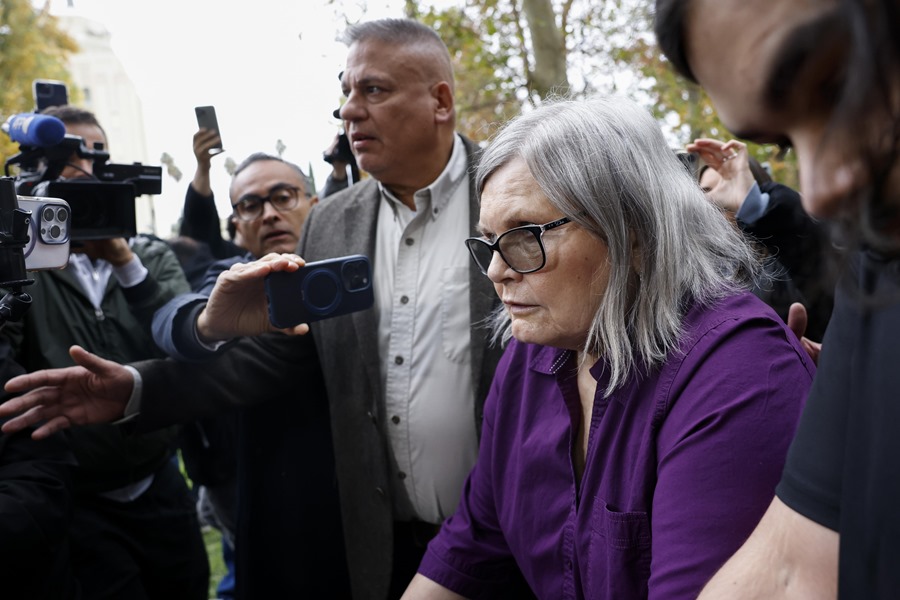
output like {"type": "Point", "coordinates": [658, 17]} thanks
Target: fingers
{"type": "Point", "coordinates": [733, 149]}
{"type": "Point", "coordinates": [812, 348]}
{"type": "Point", "coordinates": [265, 265]}
{"type": "Point", "coordinates": [797, 319]}
{"type": "Point", "coordinates": [204, 140]}
{"type": "Point", "coordinates": [50, 427]}
{"type": "Point", "coordinates": [92, 362]}
{"type": "Point", "coordinates": [31, 409]}
{"type": "Point", "coordinates": [38, 379]}
{"type": "Point", "coordinates": [301, 329]}
{"type": "Point", "coordinates": [716, 153]}
{"type": "Point", "coordinates": [275, 257]}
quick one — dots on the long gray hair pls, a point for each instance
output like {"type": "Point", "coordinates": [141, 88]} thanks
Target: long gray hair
{"type": "Point", "coordinates": [606, 165]}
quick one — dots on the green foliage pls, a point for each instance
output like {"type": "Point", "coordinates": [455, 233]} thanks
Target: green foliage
{"type": "Point", "coordinates": [610, 48]}
{"type": "Point", "coordinates": [31, 47]}
{"type": "Point", "coordinates": [684, 106]}
{"type": "Point", "coordinates": [487, 80]}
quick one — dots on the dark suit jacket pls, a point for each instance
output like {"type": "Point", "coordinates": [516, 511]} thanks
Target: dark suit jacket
{"type": "Point", "coordinates": [346, 348]}
{"type": "Point", "coordinates": [803, 248]}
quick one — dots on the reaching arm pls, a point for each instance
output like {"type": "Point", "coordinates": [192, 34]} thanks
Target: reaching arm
{"type": "Point", "coordinates": [204, 141]}
{"type": "Point", "coordinates": [94, 391]}
{"type": "Point", "coordinates": [786, 557]}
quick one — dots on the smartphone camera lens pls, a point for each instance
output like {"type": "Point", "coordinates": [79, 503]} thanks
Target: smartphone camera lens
{"type": "Point", "coordinates": [48, 214]}
{"type": "Point", "coordinates": [355, 276]}
{"type": "Point", "coordinates": [55, 232]}
{"type": "Point", "coordinates": [62, 215]}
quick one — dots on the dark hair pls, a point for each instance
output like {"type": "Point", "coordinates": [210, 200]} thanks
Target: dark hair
{"type": "Point", "coordinates": [310, 190]}
{"type": "Point", "coordinates": [73, 115]}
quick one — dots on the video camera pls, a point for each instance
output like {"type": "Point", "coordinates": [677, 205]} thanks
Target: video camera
{"type": "Point", "coordinates": [102, 203]}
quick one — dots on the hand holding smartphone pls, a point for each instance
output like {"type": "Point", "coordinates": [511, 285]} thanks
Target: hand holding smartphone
{"type": "Point", "coordinates": [206, 119]}
{"type": "Point", "coordinates": [319, 290]}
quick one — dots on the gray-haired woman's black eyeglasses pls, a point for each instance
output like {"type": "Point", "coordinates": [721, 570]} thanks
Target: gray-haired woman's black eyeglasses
{"type": "Point", "coordinates": [522, 248]}
{"type": "Point", "coordinates": [283, 197]}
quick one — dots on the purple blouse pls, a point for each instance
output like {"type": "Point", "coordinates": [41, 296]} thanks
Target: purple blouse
{"type": "Point", "coordinates": [681, 464]}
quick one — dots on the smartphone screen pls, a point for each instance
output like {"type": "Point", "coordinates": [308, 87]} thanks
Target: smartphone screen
{"type": "Point", "coordinates": [206, 119]}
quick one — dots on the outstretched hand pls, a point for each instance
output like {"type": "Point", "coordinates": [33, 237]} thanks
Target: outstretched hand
{"type": "Point", "coordinates": [797, 320]}
{"type": "Point", "coordinates": [237, 305]}
{"type": "Point", "coordinates": [95, 391]}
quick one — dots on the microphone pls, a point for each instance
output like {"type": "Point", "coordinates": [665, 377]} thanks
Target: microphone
{"type": "Point", "coordinates": [32, 129]}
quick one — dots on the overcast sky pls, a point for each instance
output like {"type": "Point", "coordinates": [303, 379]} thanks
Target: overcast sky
{"type": "Point", "coordinates": [269, 66]}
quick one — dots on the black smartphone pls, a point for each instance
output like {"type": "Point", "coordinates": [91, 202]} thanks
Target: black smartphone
{"type": "Point", "coordinates": [320, 290]}
{"type": "Point", "coordinates": [48, 232]}
{"type": "Point", "coordinates": [206, 119]}
{"type": "Point", "coordinates": [49, 92]}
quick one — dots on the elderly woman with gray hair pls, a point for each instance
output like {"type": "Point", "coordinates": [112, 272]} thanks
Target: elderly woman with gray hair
{"type": "Point", "coordinates": [640, 417]}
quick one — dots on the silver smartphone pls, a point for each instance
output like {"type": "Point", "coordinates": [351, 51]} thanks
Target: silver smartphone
{"type": "Point", "coordinates": [206, 119]}
{"type": "Point", "coordinates": [48, 232]}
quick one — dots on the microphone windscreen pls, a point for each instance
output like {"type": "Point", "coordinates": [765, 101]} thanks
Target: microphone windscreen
{"type": "Point", "coordinates": [31, 129]}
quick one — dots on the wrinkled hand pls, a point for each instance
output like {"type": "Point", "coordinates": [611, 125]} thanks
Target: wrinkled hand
{"type": "Point", "coordinates": [115, 251]}
{"type": "Point", "coordinates": [237, 305]}
{"type": "Point", "coordinates": [731, 161]}
{"type": "Point", "coordinates": [95, 391]}
{"type": "Point", "coordinates": [797, 319]}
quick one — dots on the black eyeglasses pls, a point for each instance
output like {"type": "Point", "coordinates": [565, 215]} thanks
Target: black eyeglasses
{"type": "Point", "coordinates": [522, 248]}
{"type": "Point", "coordinates": [283, 197]}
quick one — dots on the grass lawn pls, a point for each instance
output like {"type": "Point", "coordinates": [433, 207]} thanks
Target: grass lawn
{"type": "Point", "coordinates": [217, 570]}
{"type": "Point", "coordinates": [213, 541]}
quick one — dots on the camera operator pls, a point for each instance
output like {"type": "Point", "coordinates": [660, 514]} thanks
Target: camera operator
{"type": "Point", "coordinates": [134, 531]}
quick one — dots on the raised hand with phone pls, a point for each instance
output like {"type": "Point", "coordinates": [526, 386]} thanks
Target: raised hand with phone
{"type": "Point", "coordinates": [206, 119]}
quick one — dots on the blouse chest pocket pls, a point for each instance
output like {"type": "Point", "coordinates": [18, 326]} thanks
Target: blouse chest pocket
{"type": "Point", "coordinates": [619, 554]}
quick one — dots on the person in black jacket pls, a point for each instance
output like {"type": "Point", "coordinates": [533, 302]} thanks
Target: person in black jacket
{"type": "Point", "coordinates": [800, 248]}
{"type": "Point", "coordinates": [35, 510]}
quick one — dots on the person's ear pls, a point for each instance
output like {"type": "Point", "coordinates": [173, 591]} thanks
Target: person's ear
{"type": "Point", "coordinates": [444, 104]}
{"type": "Point", "coordinates": [314, 200]}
